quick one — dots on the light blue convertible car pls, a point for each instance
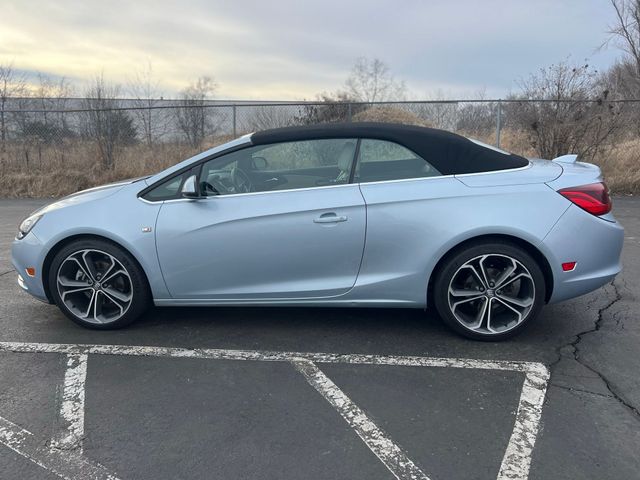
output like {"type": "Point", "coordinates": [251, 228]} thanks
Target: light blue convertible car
{"type": "Point", "coordinates": [352, 215]}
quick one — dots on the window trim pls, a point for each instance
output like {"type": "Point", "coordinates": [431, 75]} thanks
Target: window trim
{"type": "Point", "coordinates": [178, 194]}
{"type": "Point", "coordinates": [196, 168]}
{"type": "Point", "coordinates": [266, 192]}
{"type": "Point", "coordinates": [187, 168]}
{"type": "Point", "coordinates": [354, 162]}
{"type": "Point", "coordinates": [234, 195]}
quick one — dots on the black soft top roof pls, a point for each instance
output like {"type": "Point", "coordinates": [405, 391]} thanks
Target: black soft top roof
{"type": "Point", "coordinates": [448, 152]}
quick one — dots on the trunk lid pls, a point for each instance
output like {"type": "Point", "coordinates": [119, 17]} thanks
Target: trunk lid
{"type": "Point", "coordinates": [574, 173]}
{"type": "Point", "coordinates": [538, 171]}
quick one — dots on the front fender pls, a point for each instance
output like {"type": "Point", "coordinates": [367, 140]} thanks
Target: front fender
{"type": "Point", "coordinates": [124, 220]}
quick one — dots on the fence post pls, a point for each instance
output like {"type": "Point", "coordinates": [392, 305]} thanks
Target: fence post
{"type": "Point", "coordinates": [498, 123]}
{"type": "Point", "coordinates": [349, 112]}
{"type": "Point", "coordinates": [235, 128]}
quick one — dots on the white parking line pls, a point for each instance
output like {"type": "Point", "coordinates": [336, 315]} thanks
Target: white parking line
{"type": "Point", "coordinates": [71, 414]}
{"type": "Point", "coordinates": [375, 438]}
{"type": "Point", "coordinates": [66, 464]}
{"type": "Point", "coordinates": [269, 356]}
{"type": "Point", "coordinates": [517, 458]}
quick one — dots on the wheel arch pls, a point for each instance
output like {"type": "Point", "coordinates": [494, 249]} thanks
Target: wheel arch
{"type": "Point", "coordinates": [527, 246]}
{"type": "Point", "coordinates": [48, 260]}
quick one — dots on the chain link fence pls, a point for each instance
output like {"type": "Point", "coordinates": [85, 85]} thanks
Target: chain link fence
{"type": "Point", "coordinates": [135, 137]}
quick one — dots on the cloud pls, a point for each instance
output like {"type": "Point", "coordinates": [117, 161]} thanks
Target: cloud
{"type": "Point", "coordinates": [290, 49]}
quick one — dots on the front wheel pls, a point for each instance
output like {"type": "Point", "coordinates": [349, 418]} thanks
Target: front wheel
{"type": "Point", "coordinates": [489, 291]}
{"type": "Point", "coordinates": [98, 284]}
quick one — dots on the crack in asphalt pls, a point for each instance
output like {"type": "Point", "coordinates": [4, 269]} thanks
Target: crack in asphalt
{"type": "Point", "coordinates": [574, 344]}
{"type": "Point", "coordinates": [4, 273]}
{"type": "Point", "coordinates": [581, 390]}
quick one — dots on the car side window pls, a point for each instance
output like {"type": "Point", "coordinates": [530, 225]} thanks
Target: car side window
{"type": "Point", "coordinates": [167, 190]}
{"type": "Point", "coordinates": [381, 160]}
{"type": "Point", "coordinates": [280, 166]}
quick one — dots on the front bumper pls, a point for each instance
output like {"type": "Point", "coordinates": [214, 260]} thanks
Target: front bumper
{"type": "Point", "coordinates": [29, 252]}
{"type": "Point", "coordinates": [593, 243]}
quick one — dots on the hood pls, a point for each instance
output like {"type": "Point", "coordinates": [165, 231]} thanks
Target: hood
{"type": "Point", "coordinates": [87, 195]}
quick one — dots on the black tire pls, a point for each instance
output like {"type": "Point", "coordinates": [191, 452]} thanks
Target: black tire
{"type": "Point", "coordinates": [138, 286]}
{"type": "Point", "coordinates": [496, 251]}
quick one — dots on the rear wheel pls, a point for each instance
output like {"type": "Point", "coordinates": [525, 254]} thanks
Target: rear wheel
{"type": "Point", "coordinates": [489, 291]}
{"type": "Point", "coordinates": [98, 284]}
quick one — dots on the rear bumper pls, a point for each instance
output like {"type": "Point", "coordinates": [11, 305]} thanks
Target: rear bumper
{"type": "Point", "coordinates": [593, 243]}
{"type": "Point", "coordinates": [29, 252]}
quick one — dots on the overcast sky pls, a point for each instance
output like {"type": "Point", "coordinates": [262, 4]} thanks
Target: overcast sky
{"type": "Point", "coordinates": [293, 49]}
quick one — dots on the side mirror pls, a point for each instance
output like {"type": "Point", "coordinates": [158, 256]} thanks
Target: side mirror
{"type": "Point", "coordinates": [190, 188]}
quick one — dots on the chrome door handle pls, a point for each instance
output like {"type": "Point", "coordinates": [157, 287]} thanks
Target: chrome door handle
{"type": "Point", "coordinates": [330, 218]}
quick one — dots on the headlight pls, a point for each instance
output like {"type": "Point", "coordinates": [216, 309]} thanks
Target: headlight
{"type": "Point", "coordinates": [27, 225]}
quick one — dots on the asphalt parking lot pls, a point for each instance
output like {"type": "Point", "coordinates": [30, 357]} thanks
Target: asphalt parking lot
{"type": "Point", "coordinates": [268, 393]}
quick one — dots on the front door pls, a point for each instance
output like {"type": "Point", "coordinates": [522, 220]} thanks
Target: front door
{"type": "Point", "coordinates": [277, 222]}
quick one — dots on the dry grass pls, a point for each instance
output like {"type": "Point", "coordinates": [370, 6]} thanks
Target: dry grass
{"type": "Point", "coordinates": [58, 171]}
{"type": "Point", "coordinates": [510, 140]}
{"type": "Point", "coordinates": [390, 115]}
{"type": "Point", "coordinates": [621, 167]}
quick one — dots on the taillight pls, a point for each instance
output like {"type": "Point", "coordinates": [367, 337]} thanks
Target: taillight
{"type": "Point", "coordinates": [594, 197]}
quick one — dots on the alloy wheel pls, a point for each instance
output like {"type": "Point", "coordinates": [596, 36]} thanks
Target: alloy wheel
{"type": "Point", "coordinates": [491, 294]}
{"type": "Point", "coordinates": [94, 286]}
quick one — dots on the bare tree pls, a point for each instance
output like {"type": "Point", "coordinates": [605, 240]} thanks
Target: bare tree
{"type": "Point", "coordinates": [442, 113]}
{"type": "Point", "coordinates": [622, 81]}
{"type": "Point", "coordinates": [626, 30]}
{"type": "Point", "coordinates": [264, 117]}
{"type": "Point", "coordinates": [48, 126]}
{"type": "Point", "coordinates": [52, 94]}
{"type": "Point", "coordinates": [330, 107]}
{"type": "Point", "coordinates": [371, 80]}
{"type": "Point", "coordinates": [477, 118]}
{"type": "Point", "coordinates": [109, 127]}
{"type": "Point", "coordinates": [144, 89]}
{"type": "Point", "coordinates": [623, 78]}
{"type": "Point", "coordinates": [12, 84]}
{"type": "Point", "coordinates": [574, 115]}
{"type": "Point", "coordinates": [52, 98]}
{"type": "Point", "coordinates": [193, 119]}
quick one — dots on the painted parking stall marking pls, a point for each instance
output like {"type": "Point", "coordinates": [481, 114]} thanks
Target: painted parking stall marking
{"type": "Point", "coordinates": [378, 441]}
{"type": "Point", "coordinates": [71, 413]}
{"type": "Point", "coordinates": [66, 464]}
{"type": "Point", "coordinates": [517, 457]}
{"type": "Point", "coordinates": [65, 458]}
